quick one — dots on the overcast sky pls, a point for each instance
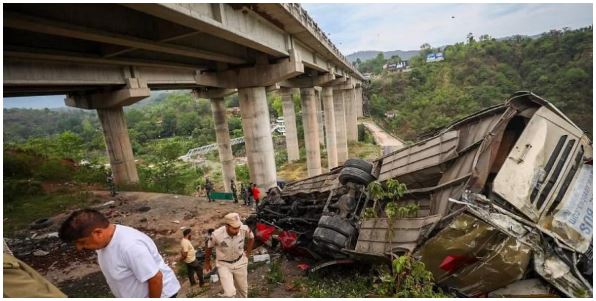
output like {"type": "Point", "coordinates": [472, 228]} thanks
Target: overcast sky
{"type": "Point", "coordinates": [388, 26]}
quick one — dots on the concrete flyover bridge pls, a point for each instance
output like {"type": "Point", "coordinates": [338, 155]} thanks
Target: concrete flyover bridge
{"type": "Point", "coordinates": [106, 56]}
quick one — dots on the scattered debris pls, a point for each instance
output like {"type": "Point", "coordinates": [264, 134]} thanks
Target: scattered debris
{"type": "Point", "coordinates": [44, 236]}
{"type": "Point", "coordinates": [41, 223]}
{"type": "Point", "coordinates": [261, 258]}
{"type": "Point", "coordinates": [176, 222]}
{"type": "Point", "coordinates": [40, 253]}
{"type": "Point", "coordinates": [71, 270]}
{"type": "Point", "coordinates": [106, 204]}
{"type": "Point", "coordinates": [144, 209]}
{"type": "Point", "coordinates": [292, 287]}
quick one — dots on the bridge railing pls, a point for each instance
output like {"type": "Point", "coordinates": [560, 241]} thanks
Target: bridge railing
{"type": "Point", "coordinates": [300, 14]}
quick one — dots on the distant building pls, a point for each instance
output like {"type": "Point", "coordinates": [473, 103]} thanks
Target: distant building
{"type": "Point", "coordinates": [233, 111]}
{"type": "Point", "coordinates": [390, 114]}
{"type": "Point", "coordinates": [434, 57]}
{"type": "Point", "coordinates": [367, 76]}
{"type": "Point", "coordinates": [281, 125]}
{"type": "Point", "coordinates": [396, 66]}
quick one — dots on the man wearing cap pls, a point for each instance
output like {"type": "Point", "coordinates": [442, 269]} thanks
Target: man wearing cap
{"type": "Point", "coordinates": [231, 255]}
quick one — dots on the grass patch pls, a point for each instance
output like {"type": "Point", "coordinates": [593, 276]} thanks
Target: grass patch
{"type": "Point", "coordinates": [297, 170]}
{"type": "Point", "coordinates": [19, 214]}
{"type": "Point", "coordinates": [345, 285]}
{"type": "Point", "coordinates": [196, 292]}
{"type": "Point", "coordinates": [292, 171]}
{"type": "Point", "coordinates": [362, 150]}
{"type": "Point", "coordinates": [259, 292]}
{"type": "Point", "coordinates": [275, 274]}
{"type": "Point", "coordinates": [181, 270]}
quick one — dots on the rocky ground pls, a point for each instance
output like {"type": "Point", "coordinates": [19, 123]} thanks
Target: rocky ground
{"type": "Point", "coordinates": [161, 216]}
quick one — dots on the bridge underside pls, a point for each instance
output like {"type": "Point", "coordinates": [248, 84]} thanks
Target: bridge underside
{"type": "Point", "coordinates": [106, 56]}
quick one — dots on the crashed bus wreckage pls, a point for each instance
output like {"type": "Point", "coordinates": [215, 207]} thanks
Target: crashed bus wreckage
{"type": "Point", "coordinates": [504, 200]}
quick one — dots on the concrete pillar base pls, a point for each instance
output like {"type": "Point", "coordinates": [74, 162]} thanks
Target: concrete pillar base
{"type": "Point", "coordinates": [340, 126]}
{"type": "Point", "coordinates": [290, 122]}
{"type": "Point", "coordinates": [222, 135]}
{"type": "Point", "coordinates": [330, 139]}
{"type": "Point", "coordinates": [311, 131]}
{"type": "Point", "coordinates": [359, 102]}
{"type": "Point", "coordinates": [118, 145]}
{"type": "Point", "coordinates": [257, 136]}
{"type": "Point", "coordinates": [320, 118]}
{"type": "Point", "coordinates": [351, 115]}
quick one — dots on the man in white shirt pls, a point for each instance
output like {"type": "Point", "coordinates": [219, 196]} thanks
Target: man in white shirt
{"type": "Point", "coordinates": [128, 258]}
{"type": "Point", "coordinates": [231, 255]}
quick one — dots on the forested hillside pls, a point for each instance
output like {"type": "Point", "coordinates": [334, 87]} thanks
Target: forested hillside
{"type": "Point", "coordinates": [482, 72]}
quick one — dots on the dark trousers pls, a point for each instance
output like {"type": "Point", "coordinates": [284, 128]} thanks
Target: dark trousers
{"type": "Point", "coordinates": [191, 269]}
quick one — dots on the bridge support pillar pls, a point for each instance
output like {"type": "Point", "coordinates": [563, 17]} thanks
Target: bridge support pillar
{"type": "Point", "coordinates": [340, 126]}
{"type": "Point", "coordinates": [290, 122]}
{"type": "Point", "coordinates": [359, 103]}
{"type": "Point", "coordinates": [257, 135]}
{"type": "Point", "coordinates": [320, 116]}
{"type": "Point", "coordinates": [330, 139]}
{"type": "Point", "coordinates": [222, 135]}
{"type": "Point", "coordinates": [118, 145]}
{"type": "Point", "coordinates": [351, 119]}
{"type": "Point", "coordinates": [311, 131]}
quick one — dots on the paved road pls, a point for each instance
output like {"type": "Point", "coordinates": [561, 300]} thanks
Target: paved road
{"type": "Point", "coordinates": [382, 138]}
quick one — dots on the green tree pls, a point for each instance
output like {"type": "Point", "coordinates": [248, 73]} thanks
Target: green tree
{"type": "Point", "coordinates": [69, 145]}
{"type": "Point", "coordinates": [276, 105]}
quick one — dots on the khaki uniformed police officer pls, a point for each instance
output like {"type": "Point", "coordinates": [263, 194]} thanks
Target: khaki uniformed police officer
{"type": "Point", "coordinates": [21, 281]}
{"type": "Point", "coordinates": [231, 255]}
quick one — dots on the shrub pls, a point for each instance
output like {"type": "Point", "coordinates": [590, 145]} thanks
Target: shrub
{"type": "Point", "coordinates": [16, 189]}
{"type": "Point", "coordinates": [242, 174]}
{"type": "Point", "coordinates": [281, 158]}
{"type": "Point", "coordinates": [275, 274]}
{"type": "Point", "coordinates": [408, 279]}
{"type": "Point", "coordinates": [54, 170]}
{"type": "Point", "coordinates": [90, 174]}
{"type": "Point", "coordinates": [19, 164]}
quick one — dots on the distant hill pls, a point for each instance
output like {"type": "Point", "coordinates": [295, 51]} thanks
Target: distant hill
{"type": "Point", "coordinates": [56, 102]}
{"type": "Point", "coordinates": [407, 54]}
{"type": "Point", "coordinates": [34, 102]}
{"type": "Point", "coordinates": [556, 65]}
{"type": "Point", "coordinates": [369, 54]}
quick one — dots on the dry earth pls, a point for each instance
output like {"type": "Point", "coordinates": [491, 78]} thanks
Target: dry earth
{"type": "Point", "coordinates": [161, 216]}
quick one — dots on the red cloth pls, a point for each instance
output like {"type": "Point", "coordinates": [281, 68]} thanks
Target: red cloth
{"type": "Point", "coordinates": [264, 232]}
{"type": "Point", "coordinates": [288, 239]}
{"type": "Point", "coordinates": [255, 193]}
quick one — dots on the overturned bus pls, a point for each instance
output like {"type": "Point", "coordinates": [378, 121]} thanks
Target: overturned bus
{"type": "Point", "coordinates": [503, 198]}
